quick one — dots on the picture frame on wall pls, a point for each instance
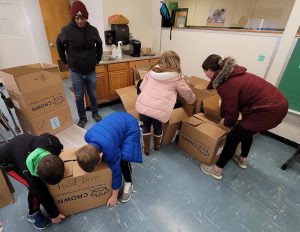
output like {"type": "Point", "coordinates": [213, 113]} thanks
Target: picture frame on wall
{"type": "Point", "coordinates": [179, 17]}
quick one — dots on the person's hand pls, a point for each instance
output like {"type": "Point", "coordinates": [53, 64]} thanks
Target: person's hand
{"type": "Point", "coordinates": [58, 219]}
{"type": "Point", "coordinates": [112, 201]}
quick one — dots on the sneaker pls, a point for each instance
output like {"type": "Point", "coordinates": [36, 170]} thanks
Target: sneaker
{"type": "Point", "coordinates": [209, 170]}
{"type": "Point", "coordinates": [127, 190]}
{"type": "Point", "coordinates": [82, 122]}
{"type": "Point", "coordinates": [241, 161]}
{"type": "Point", "coordinates": [96, 117]}
{"type": "Point", "coordinates": [38, 220]}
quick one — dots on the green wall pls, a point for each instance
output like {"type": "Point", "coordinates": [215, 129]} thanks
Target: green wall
{"type": "Point", "coordinates": [290, 81]}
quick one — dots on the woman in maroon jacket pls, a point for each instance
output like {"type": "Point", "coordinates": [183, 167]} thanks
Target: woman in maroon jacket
{"type": "Point", "coordinates": [262, 106]}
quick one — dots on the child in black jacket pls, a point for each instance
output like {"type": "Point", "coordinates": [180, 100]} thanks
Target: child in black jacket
{"type": "Point", "coordinates": [34, 161]}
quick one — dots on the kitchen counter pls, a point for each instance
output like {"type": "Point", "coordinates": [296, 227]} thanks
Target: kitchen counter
{"type": "Point", "coordinates": [127, 58]}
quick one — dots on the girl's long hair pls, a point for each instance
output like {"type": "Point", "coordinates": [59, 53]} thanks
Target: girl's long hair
{"type": "Point", "coordinates": [168, 62]}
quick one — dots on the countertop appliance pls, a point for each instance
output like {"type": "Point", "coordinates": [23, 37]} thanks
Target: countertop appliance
{"type": "Point", "coordinates": [134, 48]}
{"type": "Point", "coordinates": [121, 33]}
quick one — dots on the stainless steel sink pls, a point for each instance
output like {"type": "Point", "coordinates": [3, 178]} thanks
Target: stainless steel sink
{"type": "Point", "coordinates": [108, 58]}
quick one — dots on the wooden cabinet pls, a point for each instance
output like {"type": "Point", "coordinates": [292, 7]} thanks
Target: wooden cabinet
{"type": "Point", "coordinates": [117, 80]}
{"type": "Point", "coordinates": [111, 77]}
{"type": "Point", "coordinates": [139, 63]}
{"type": "Point", "coordinates": [118, 77]}
{"type": "Point", "coordinates": [102, 90]}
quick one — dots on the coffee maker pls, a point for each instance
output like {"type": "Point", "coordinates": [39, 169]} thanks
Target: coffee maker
{"type": "Point", "coordinates": [134, 48]}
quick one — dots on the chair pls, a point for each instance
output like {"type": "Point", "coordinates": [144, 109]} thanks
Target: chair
{"type": "Point", "coordinates": [292, 158]}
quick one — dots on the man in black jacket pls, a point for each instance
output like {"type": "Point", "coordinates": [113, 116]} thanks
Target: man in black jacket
{"type": "Point", "coordinates": [80, 46]}
{"type": "Point", "coordinates": [34, 161]}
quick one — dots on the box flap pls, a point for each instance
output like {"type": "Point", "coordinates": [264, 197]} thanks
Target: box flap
{"type": "Point", "coordinates": [128, 97]}
{"type": "Point", "coordinates": [212, 102]}
{"type": "Point", "coordinates": [178, 115]}
{"type": "Point", "coordinates": [68, 154]}
{"type": "Point", "coordinates": [77, 171]}
{"type": "Point", "coordinates": [25, 69]}
{"type": "Point", "coordinates": [201, 117]}
{"type": "Point", "coordinates": [211, 130]}
{"type": "Point", "coordinates": [141, 74]}
{"type": "Point", "coordinates": [68, 169]}
{"type": "Point", "coordinates": [197, 81]}
{"type": "Point", "coordinates": [194, 121]}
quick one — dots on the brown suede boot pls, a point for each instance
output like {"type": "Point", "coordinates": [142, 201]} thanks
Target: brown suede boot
{"type": "Point", "coordinates": [157, 141]}
{"type": "Point", "coordinates": [146, 141]}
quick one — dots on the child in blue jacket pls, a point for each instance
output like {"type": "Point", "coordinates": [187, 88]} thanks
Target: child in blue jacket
{"type": "Point", "coordinates": [117, 140]}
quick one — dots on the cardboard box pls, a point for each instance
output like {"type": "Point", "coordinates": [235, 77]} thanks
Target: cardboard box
{"type": "Point", "coordinates": [80, 191]}
{"type": "Point", "coordinates": [34, 89]}
{"type": "Point", "coordinates": [39, 101]}
{"type": "Point", "coordinates": [26, 78]}
{"type": "Point", "coordinates": [211, 108]}
{"type": "Point", "coordinates": [172, 128]}
{"type": "Point", "coordinates": [51, 122]}
{"type": "Point", "coordinates": [202, 138]}
{"type": "Point", "coordinates": [72, 136]}
{"type": "Point", "coordinates": [6, 190]}
{"type": "Point", "coordinates": [128, 97]}
{"type": "Point", "coordinates": [199, 88]}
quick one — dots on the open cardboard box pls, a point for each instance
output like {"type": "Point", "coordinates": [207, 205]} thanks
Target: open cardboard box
{"type": "Point", "coordinates": [199, 88]}
{"type": "Point", "coordinates": [34, 89]}
{"type": "Point", "coordinates": [202, 138]}
{"type": "Point", "coordinates": [211, 108]}
{"type": "Point", "coordinates": [128, 97]}
{"type": "Point", "coordinates": [80, 191]}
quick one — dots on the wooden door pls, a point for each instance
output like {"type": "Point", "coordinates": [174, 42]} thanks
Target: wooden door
{"type": "Point", "coordinates": [56, 14]}
{"type": "Point", "coordinates": [117, 80]}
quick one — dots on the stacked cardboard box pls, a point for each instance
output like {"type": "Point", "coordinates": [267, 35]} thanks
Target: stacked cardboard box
{"type": "Point", "coordinates": [39, 97]}
{"type": "Point", "coordinates": [128, 97]}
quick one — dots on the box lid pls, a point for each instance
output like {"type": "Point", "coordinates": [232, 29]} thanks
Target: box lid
{"type": "Point", "coordinates": [212, 130]}
{"type": "Point", "coordinates": [206, 126]}
{"type": "Point", "coordinates": [198, 82]}
{"type": "Point", "coordinates": [25, 69]}
{"type": "Point", "coordinates": [178, 115]}
{"type": "Point", "coordinates": [193, 121]}
{"type": "Point", "coordinates": [128, 97]}
{"type": "Point", "coordinates": [212, 102]}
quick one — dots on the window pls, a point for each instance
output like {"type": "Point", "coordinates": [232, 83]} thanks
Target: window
{"type": "Point", "coordinates": [239, 14]}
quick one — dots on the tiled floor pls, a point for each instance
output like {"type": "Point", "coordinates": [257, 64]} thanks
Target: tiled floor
{"type": "Point", "coordinates": [172, 194]}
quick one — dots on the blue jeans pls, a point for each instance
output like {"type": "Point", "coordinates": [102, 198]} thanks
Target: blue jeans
{"type": "Point", "coordinates": [81, 82]}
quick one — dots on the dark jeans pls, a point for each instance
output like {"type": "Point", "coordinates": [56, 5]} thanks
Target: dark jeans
{"type": "Point", "coordinates": [234, 137]}
{"type": "Point", "coordinates": [148, 122]}
{"type": "Point", "coordinates": [81, 82]}
{"type": "Point", "coordinates": [126, 170]}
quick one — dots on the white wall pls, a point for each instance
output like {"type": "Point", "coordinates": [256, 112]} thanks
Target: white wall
{"type": "Point", "coordinates": [139, 14]}
{"type": "Point", "coordinates": [194, 46]}
{"type": "Point", "coordinates": [95, 9]}
{"type": "Point", "coordinates": [25, 41]}
{"type": "Point", "coordinates": [275, 13]}
{"type": "Point", "coordinates": [31, 45]}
